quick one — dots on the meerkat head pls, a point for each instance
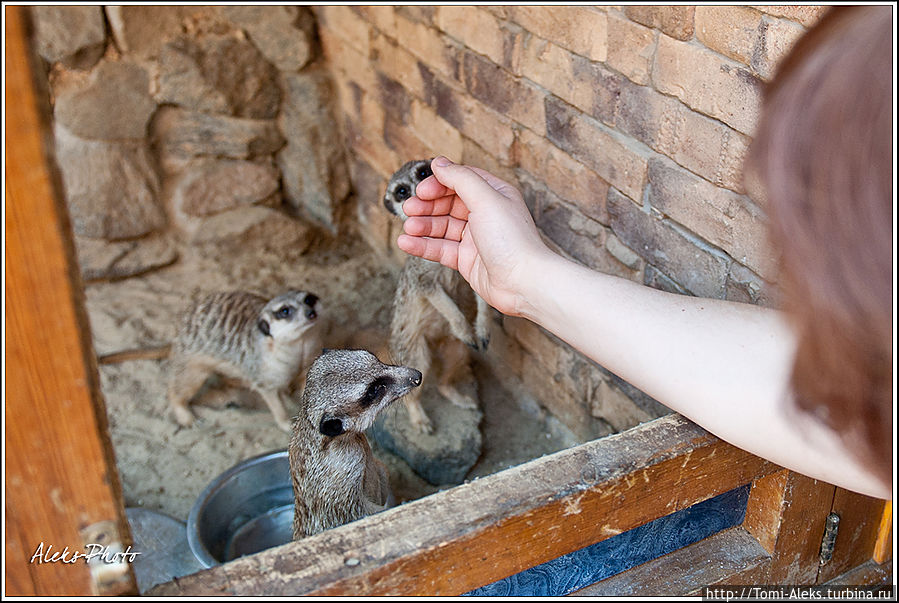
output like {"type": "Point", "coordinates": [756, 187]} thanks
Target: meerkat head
{"type": "Point", "coordinates": [346, 389]}
{"type": "Point", "coordinates": [286, 317]}
{"type": "Point", "coordinates": [403, 183]}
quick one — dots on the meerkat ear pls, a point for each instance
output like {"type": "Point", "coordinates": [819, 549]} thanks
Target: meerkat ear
{"type": "Point", "coordinates": [263, 326]}
{"type": "Point", "coordinates": [330, 426]}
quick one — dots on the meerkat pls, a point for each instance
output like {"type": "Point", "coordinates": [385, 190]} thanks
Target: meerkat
{"type": "Point", "coordinates": [336, 478]}
{"type": "Point", "coordinates": [240, 335]}
{"type": "Point", "coordinates": [425, 315]}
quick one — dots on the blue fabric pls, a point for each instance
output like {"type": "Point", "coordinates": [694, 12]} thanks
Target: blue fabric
{"type": "Point", "coordinates": [629, 549]}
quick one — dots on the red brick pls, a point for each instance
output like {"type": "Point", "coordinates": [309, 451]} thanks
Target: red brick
{"type": "Point", "coordinates": [474, 154]}
{"type": "Point", "coordinates": [616, 159]}
{"type": "Point", "coordinates": [514, 97]}
{"type": "Point", "coordinates": [381, 16]}
{"type": "Point", "coordinates": [734, 31]}
{"type": "Point", "coordinates": [388, 57]}
{"type": "Point", "coordinates": [725, 219]}
{"type": "Point", "coordinates": [347, 60]}
{"type": "Point", "coordinates": [807, 15]}
{"type": "Point", "coordinates": [437, 51]}
{"type": "Point", "coordinates": [553, 67]}
{"type": "Point", "coordinates": [676, 21]}
{"type": "Point", "coordinates": [631, 49]}
{"type": "Point", "coordinates": [705, 146]}
{"type": "Point", "coordinates": [778, 37]}
{"type": "Point", "coordinates": [405, 144]}
{"type": "Point", "coordinates": [744, 285]}
{"type": "Point", "coordinates": [694, 266]}
{"type": "Point", "coordinates": [580, 29]}
{"type": "Point", "coordinates": [343, 22]}
{"type": "Point", "coordinates": [566, 177]}
{"type": "Point", "coordinates": [475, 28]}
{"type": "Point", "coordinates": [435, 132]}
{"type": "Point", "coordinates": [707, 82]}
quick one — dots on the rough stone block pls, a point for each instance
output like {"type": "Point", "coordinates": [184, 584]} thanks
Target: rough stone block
{"type": "Point", "coordinates": [313, 168]}
{"type": "Point", "coordinates": [503, 92]}
{"type": "Point", "coordinates": [100, 259]}
{"type": "Point", "coordinates": [72, 35]}
{"type": "Point", "coordinates": [111, 188]}
{"type": "Point", "coordinates": [805, 14]}
{"type": "Point", "coordinates": [776, 41]}
{"type": "Point", "coordinates": [210, 187]}
{"type": "Point", "coordinates": [734, 31]}
{"type": "Point", "coordinates": [274, 31]}
{"type": "Point", "coordinates": [218, 74]}
{"type": "Point", "coordinates": [441, 458]}
{"type": "Point", "coordinates": [141, 31]}
{"type": "Point", "coordinates": [113, 103]}
{"type": "Point", "coordinates": [180, 135]}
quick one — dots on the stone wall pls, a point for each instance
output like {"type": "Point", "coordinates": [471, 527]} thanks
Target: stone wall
{"type": "Point", "coordinates": [626, 128]}
{"type": "Point", "coordinates": [176, 123]}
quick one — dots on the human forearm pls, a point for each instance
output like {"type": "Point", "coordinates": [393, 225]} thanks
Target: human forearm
{"type": "Point", "coordinates": [724, 365]}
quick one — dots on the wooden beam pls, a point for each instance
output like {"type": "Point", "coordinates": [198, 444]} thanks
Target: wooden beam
{"type": "Point", "coordinates": [474, 534]}
{"type": "Point", "coordinates": [60, 476]}
{"type": "Point", "coordinates": [883, 549]}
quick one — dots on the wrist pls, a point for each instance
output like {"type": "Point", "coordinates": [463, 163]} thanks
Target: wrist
{"type": "Point", "coordinates": [535, 298]}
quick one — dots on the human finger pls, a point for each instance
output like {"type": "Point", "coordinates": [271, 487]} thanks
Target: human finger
{"type": "Point", "coordinates": [436, 250]}
{"type": "Point", "coordinates": [473, 188]}
{"type": "Point", "coordinates": [441, 227]}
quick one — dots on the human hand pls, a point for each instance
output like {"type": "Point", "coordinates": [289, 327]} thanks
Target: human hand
{"type": "Point", "coordinates": [471, 221]}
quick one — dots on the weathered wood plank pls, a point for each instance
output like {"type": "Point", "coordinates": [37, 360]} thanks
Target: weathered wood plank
{"type": "Point", "coordinates": [869, 573]}
{"type": "Point", "coordinates": [883, 547]}
{"type": "Point", "coordinates": [459, 539]}
{"type": "Point", "coordinates": [859, 523]}
{"type": "Point", "coordinates": [60, 477]}
{"type": "Point", "coordinates": [806, 505]}
{"type": "Point", "coordinates": [764, 511]}
{"type": "Point", "coordinates": [718, 558]}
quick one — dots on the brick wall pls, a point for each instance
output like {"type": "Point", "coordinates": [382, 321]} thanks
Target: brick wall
{"type": "Point", "coordinates": [625, 127]}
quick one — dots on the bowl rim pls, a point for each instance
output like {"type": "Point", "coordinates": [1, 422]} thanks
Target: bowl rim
{"type": "Point", "coordinates": [193, 531]}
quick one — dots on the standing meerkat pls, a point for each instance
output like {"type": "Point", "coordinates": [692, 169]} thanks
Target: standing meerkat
{"type": "Point", "coordinates": [336, 478]}
{"type": "Point", "coordinates": [426, 318]}
{"type": "Point", "coordinates": [240, 335]}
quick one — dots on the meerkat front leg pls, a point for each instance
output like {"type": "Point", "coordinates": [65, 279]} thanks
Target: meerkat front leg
{"type": "Point", "coordinates": [275, 399]}
{"type": "Point", "coordinates": [482, 322]}
{"type": "Point", "coordinates": [187, 378]}
{"type": "Point", "coordinates": [459, 326]}
{"type": "Point", "coordinates": [414, 352]}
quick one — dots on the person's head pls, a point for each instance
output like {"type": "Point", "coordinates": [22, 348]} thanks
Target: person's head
{"type": "Point", "coordinates": [823, 151]}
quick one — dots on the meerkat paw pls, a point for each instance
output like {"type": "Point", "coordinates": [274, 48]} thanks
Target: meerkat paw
{"type": "Point", "coordinates": [457, 397]}
{"type": "Point", "coordinates": [183, 416]}
{"type": "Point", "coordinates": [483, 341]}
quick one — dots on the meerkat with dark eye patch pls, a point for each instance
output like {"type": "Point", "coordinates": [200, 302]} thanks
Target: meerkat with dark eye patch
{"type": "Point", "coordinates": [336, 478]}
{"type": "Point", "coordinates": [426, 317]}
{"type": "Point", "coordinates": [240, 335]}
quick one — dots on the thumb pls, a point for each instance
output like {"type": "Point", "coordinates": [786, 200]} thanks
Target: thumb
{"type": "Point", "coordinates": [473, 187]}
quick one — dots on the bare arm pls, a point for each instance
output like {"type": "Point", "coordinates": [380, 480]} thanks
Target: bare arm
{"type": "Point", "coordinates": [724, 365]}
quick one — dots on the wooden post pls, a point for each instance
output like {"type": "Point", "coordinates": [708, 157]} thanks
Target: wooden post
{"type": "Point", "coordinates": [61, 485]}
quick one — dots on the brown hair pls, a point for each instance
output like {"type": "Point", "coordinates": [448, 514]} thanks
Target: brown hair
{"type": "Point", "coordinates": [823, 151]}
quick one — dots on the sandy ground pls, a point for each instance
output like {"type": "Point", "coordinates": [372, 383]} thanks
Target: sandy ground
{"type": "Point", "coordinates": [164, 467]}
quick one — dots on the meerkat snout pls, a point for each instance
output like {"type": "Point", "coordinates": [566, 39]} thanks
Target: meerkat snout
{"type": "Point", "coordinates": [403, 183]}
{"type": "Point", "coordinates": [347, 389]}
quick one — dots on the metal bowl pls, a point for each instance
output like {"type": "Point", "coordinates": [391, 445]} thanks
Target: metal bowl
{"type": "Point", "coordinates": [246, 509]}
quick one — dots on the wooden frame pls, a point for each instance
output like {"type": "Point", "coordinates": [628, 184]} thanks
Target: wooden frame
{"type": "Point", "coordinates": [445, 544]}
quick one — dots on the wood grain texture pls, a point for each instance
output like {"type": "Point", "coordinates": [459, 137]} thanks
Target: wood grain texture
{"type": "Point", "coordinates": [59, 475]}
{"type": "Point", "coordinates": [474, 534]}
{"type": "Point", "coordinates": [883, 546]}
{"type": "Point", "coordinates": [711, 561]}
{"type": "Point", "coordinates": [764, 511]}
{"type": "Point", "coordinates": [860, 517]}
{"type": "Point", "coordinates": [807, 503]}
{"type": "Point", "coordinates": [869, 573]}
